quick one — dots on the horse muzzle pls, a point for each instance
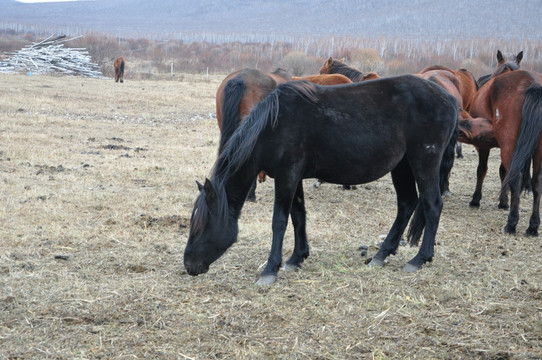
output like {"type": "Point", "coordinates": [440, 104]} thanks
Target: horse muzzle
{"type": "Point", "coordinates": [195, 269]}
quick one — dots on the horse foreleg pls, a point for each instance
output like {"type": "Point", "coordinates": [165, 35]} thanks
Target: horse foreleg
{"type": "Point", "coordinates": [252, 192]}
{"type": "Point", "coordinates": [281, 209]}
{"type": "Point", "coordinates": [298, 215]}
{"type": "Point", "coordinates": [407, 197]}
{"type": "Point", "coordinates": [481, 171]}
{"type": "Point", "coordinates": [459, 150]}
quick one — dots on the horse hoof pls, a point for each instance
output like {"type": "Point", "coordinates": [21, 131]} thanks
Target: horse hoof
{"type": "Point", "coordinates": [503, 207]}
{"type": "Point", "coordinates": [411, 268]}
{"type": "Point", "coordinates": [474, 204]}
{"type": "Point", "coordinates": [376, 262]}
{"type": "Point", "coordinates": [511, 230]}
{"type": "Point", "coordinates": [290, 267]}
{"type": "Point", "coordinates": [531, 232]}
{"type": "Point", "coordinates": [266, 279]}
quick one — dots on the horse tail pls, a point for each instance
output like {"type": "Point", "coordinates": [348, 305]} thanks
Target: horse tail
{"type": "Point", "coordinates": [233, 93]}
{"type": "Point", "coordinates": [418, 220]}
{"type": "Point", "coordinates": [528, 137]}
{"type": "Point", "coordinates": [121, 71]}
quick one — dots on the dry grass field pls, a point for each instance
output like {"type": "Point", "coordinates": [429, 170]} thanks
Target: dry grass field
{"type": "Point", "coordinates": [97, 183]}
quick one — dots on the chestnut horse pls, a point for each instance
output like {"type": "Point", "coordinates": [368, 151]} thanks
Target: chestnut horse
{"type": "Point", "coordinates": [339, 67]}
{"type": "Point", "coordinates": [238, 93]}
{"type": "Point", "coordinates": [513, 103]}
{"type": "Point", "coordinates": [461, 84]}
{"type": "Point", "coordinates": [503, 65]}
{"type": "Point", "coordinates": [476, 131]}
{"type": "Point", "coordinates": [325, 79]}
{"type": "Point", "coordinates": [119, 69]}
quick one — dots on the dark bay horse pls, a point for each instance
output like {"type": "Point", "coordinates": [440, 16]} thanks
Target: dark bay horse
{"type": "Point", "coordinates": [332, 66]}
{"type": "Point", "coordinates": [346, 134]}
{"type": "Point", "coordinates": [238, 93]}
{"type": "Point", "coordinates": [118, 65]}
{"type": "Point", "coordinates": [504, 64]}
{"type": "Point", "coordinates": [512, 102]}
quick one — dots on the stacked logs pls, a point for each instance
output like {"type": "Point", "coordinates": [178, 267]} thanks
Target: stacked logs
{"type": "Point", "coordinates": [50, 56]}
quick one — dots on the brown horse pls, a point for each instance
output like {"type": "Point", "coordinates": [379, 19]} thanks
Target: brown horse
{"type": "Point", "coordinates": [504, 64]}
{"type": "Point", "coordinates": [238, 93]}
{"type": "Point", "coordinates": [475, 131]}
{"type": "Point", "coordinates": [339, 67]}
{"type": "Point", "coordinates": [512, 102]}
{"type": "Point", "coordinates": [118, 64]}
{"type": "Point", "coordinates": [325, 79]}
{"type": "Point", "coordinates": [460, 84]}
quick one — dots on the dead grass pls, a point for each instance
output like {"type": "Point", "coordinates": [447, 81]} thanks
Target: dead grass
{"type": "Point", "coordinates": [96, 189]}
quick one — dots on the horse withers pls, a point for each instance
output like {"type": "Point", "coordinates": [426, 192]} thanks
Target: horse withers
{"type": "Point", "coordinates": [404, 125]}
{"type": "Point", "coordinates": [118, 65]}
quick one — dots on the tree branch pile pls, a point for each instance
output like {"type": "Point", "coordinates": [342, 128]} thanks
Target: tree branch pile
{"type": "Point", "coordinates": [50, 56]}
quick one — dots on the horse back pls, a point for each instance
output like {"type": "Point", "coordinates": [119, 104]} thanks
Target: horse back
{"type": "Point", "coordinates": [354, 124]}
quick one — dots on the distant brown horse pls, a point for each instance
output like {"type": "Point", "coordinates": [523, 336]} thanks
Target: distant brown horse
{"type": "Point", "coordinates": [119, 69]}
{"type": "Point", "coordinates": [238, 93]}
{"type": "Point", "coordinates": [512, 102]}
{"type": "Point", "coordinates": [504, 64]}
{"type": "Point", "coordinates": [325, 79]}
{"type": "Point", "coordinates": [332, 66]}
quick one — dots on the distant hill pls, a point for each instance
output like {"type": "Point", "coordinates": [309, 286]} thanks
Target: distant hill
{"type": "Point", "coordinates": [261, 20]}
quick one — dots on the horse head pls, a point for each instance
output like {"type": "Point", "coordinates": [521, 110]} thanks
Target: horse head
{"type": "Point", "coordinates": [212, 230]}
{"type": "Point", "coordinates": [505, 65]}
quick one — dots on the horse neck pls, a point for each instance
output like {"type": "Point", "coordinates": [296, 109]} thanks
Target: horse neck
{"type": "Point", "coordinates": [237, 185]}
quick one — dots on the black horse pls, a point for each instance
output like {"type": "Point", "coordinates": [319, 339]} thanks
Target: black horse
{"type": "Point", "coordinates": [344, 134]}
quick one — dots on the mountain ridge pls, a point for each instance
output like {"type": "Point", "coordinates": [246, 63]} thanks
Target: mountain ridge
{"type": "Point", "coordinates": [169, 19]}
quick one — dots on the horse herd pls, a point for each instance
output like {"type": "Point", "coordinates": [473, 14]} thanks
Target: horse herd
{"type": "Point", "coordinates": [348, 127]}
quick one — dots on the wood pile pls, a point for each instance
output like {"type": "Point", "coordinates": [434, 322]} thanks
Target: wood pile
{"type": "Point", "coordinates": [49, 56]}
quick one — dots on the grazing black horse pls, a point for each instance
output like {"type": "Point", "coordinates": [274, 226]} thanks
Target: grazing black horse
{"type": "Point", "coordinates": [347, 134]}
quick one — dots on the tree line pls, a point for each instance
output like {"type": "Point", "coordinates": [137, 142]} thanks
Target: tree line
{"type": "Point", "coordinates": [301, 56]}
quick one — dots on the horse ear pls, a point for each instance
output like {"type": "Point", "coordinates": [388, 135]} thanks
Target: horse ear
{"type": "Point", "coordinates": [342, 60]}
{"type": "Point", "coordinates": [519, 57]}
{"type": "Point", "coordinates": [200, 187]}
{"type": "Point", "coordinates": [329, 62]}
{"type": "Point", "coordinates": [500, 58]}
{"type": "Point", "coordinates": [210, 193]}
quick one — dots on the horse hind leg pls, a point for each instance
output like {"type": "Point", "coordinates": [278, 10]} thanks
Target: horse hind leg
{"type": "Point", "coordinates": [513, 215]}
{"type": "Point", "coordinates": [407, 197]}
{"type": "Point", "coordinates": [534, 222]}
{"type": "Point", "coordinates": [481, 171]}
{"type": "Point", "coordinates": [301, 246]}
{"type": "Point", "coordinates": [503, 196]}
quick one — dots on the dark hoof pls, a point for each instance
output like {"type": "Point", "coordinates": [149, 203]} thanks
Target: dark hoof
{"type": "Point", "coordinates": [376, 263]}
{"type": "Point", "coordinates": [504, 206]}
{"type": "Point", "coordinates": [509, 229]}
{"type": "Point", "coordinates": [266, 279]}
{"type": "Point", "coordinates": [531, 232]}
{"type": "Point", "coordinates": [251, 198]}
{"type": "Point", "coordinates": [474, 204]}
{"type": "Point", "coordinates": [291, 267]}
{"type": "Point", "coordinates": [411, 268]}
